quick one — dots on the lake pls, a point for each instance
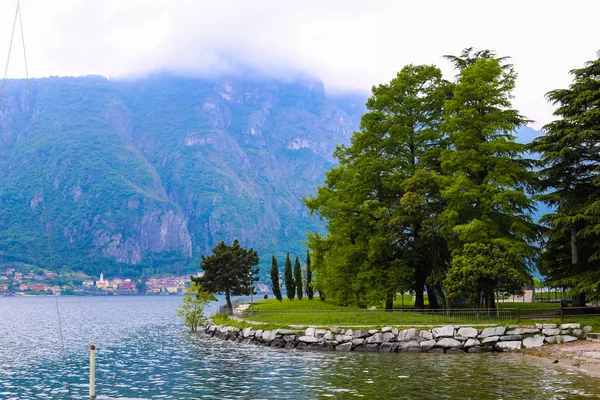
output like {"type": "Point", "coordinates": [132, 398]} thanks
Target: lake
{"type": "Point", "coordinates": [144, 352]}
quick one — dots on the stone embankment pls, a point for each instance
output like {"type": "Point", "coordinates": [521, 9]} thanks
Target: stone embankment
{"type": "Point", "coordinates": [448, 339]}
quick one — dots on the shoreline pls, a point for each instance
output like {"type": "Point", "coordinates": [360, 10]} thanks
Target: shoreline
{"type": "Point", "coordinates": [581, 356]}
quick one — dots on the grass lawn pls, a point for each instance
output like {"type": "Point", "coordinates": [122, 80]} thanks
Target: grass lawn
{"type": "Point", "coordinates": [323, 313]}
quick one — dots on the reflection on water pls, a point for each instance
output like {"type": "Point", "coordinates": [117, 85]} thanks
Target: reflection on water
{"type": "Point", "coordinates": [144, 352]}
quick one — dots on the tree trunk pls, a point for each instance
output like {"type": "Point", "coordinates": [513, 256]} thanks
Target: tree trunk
{"type": "Point", "coordinates": [490, 302]}
{"type": "Point", "coordinates": [432, 296]}
{"type": "Point", "coordinates": [389, 301]}
{"type": "Point", "coordinates": [228, 298]}
{"type": "Point", "coordinates": [574, 247]}
{"type": "Point", "coordinates": [419, 287]}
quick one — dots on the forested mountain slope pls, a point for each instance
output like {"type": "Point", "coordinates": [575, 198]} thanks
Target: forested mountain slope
{"type": "Point", "coordinates": [151, 173]}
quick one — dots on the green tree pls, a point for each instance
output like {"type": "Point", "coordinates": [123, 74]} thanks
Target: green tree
{"type": "Point", "coordinates": [275, 278]}
{"type": "Point", "coordinates": [570, 183]}
{"type": "Point", "coordinates": [192, 307]}
{"type": "Point", "coordinates": [485, 180]}
{"type": "Point", "coordinates": [290, 288]}
{"type": "Point", "coordinates": [375, 230]}
{"type": "Point", "coordinates": [228, 270]}
{"type": "Point", "coordinates": [481, 269]}
{"type": "Point", "coordinates": [298, 278]}
{"type": "Point", "coordinates": [309, 288]}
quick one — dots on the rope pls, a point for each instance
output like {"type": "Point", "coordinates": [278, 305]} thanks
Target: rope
{"type": "Point", "coordinates": [65, 357]}
{"type": "Point", "coordinates": [12, 35]}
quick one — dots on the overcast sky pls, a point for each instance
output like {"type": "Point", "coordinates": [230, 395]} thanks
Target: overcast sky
{"type": "Point", "coordinates": [350, 45]}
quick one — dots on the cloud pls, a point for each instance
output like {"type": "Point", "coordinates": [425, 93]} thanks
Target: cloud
{"type": "Point", "coordinates": [348, 44]}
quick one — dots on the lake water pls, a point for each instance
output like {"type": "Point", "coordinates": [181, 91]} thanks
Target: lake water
{"type": "Point", "coordinates": [143, 352]}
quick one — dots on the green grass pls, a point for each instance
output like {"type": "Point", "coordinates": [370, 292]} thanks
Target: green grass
{"type": "Point", "coordinates": [296, 305]}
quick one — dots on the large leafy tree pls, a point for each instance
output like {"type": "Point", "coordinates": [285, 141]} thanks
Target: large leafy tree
{"type": "Point", "coordinates": [298, 278]}
{"type": "Point", "coordinates": [275, 278]}
{"type": "Point", "coordinates": [486, 181]}
{"type": "Point", "coordinates": [290, 287]}
{"type": "Point", "coordinates": [228, 270]}
{"type": "Point", "coordinates": [377, 226]}
{"type": "Point", "coordinates": [570, 182]}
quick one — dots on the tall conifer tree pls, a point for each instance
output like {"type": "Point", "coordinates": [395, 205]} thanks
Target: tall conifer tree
{"type": "Point", "coordinates": [275, 278]}
{"type": "Point", "coordinates": [298, 278]}
{"type": "Point", "coordinates": [309, 289]}
{"type": "Point", "coordinates": [290, 287]}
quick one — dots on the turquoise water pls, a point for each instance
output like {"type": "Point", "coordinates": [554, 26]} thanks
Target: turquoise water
{"type": "Point", "coordinates": [145, 353]}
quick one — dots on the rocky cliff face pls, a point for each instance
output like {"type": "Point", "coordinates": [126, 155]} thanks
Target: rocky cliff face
{"type": "Point", "coordinates": [154, 172]}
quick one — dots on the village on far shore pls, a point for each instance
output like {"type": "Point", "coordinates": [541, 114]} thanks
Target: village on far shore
{"type": "Point", "coordinates": [42, 283]}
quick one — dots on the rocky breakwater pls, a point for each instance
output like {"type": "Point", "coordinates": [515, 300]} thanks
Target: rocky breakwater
{"type": "Point", "coordinates": [445, 339]}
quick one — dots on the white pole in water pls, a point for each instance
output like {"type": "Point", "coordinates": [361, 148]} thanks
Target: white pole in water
{"type": "Point", "coordinates": [92, 372]}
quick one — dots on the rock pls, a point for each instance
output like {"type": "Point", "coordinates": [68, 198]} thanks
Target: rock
{"type": "Point", "coordinates": [577, 332]}
{"type": "Point", "coordinates": [395, 331]}
{"type": "Point", "coordinates": [551, 331]}
{"type": "Point", "coordinates": [551, 339]}
{"type": "Point", "coordinates": [376, 338]}
{"type": "Point", "coordinates": [344, 347]}
{"type": "Point", "coordinates": [568, 338]}
{"type": "Point", "coordinates": [289, 338]}
{"type": "Point", "coordinates": [388, 347]}
{"type": "Point", "coordinates": [386, 329]}
{"type": "Point", "coordinates": [315, 346]}
{"type": "Point", "coordinates": [466, 333]}
{"type": "Point", "coordinates": [565, 331]}
{"type": "Point", "coordinates": [320, 332]}
{"type": "Point", "coordinates": [360, 349]}
{"type": "Point", "coordinates": [587, 329]}
{"type": "Point", "coordinates": [277, 343]}
{"type": "Point", "coordinates": [289, 331]}
{"type": "Point", "coordinates": [301, 346]}
{"type": "Point", "coordinates": [373, 331]}
{"type": "Point", "coordinates": [549, 326]}
{"type": "Point", "coordinates": [509, 346]}
{"type": "Point", "coordinates": [436, 350]}
{"type": "Point", "coordinates": [533, 341]}
{"type": "Point", "coordinates": [496, 331]}
{"type": "Point", "coordinates": [477, 349]}
{"type": "Point", "coordinates": [444, 331]}
{"type": "Point", "coordinates": [327, 336]}
{"type": "Point", "coordinates": [471, 343]}
{"type": "Point", "coordinates": [290, 345]}
{"type": "Point", "coordinates": [230, 336]}
{"type": "Point", "coordinates": [510, 338]}
{"type": "Point", "coordinates": [309, 332]}
{"type": "Point", "coordinates": [335, 330]}
{"type": "Point", "coordinates": [409, 335]}
{"type": "Point", "coordinates": [455, 350]}
{"type": "Point", "coordinates": [570, 326]}
{"type": "Point", "coordinates": [388, 337]}
{"type": "Point", "coordinates": [426, 335]}
{"type": "Point", "coordinates": [258, 333]}
{"type": "Point", "coordinates": [269, 335]}
{"type": "Point", "coordinates": [331, 343]}
{"type": "Point", "coordinates": [358, 342]}
{"type": "Point", "coordinates": [308, 339]}
{"type": "Point", "coordinates": [360, 334]}
{"type": "Point", "coordinates": [246, 332]}
{"type": "Point", "coordinates": [343, 338]}
{"type": "Point", "coordinates": [349, 332]}
{"type": "Point", "coordinates": [522, 331]}
{"type": "Point", "coordinates": [372, 348]}
{"type": "Point", "coordinates": [427, 344]}
{"type": "Point", "coordinates": [247, 340]}
{"type": "Point", "coordinates": [448, 343]}
{"type": "Point", "coordinates": [490, 339]}
{"type": "Point", "coordinates": [539, 326]}
{"type": "Point", "coordinates": [412, 347]}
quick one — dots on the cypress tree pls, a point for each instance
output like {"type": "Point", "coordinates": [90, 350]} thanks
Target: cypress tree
{"type": "Point", "coordinates": [275, 278]}
{"type": "Point", "coordinates": [290, 288]}
{"type": "Point", "coordinates": [309, 289]}
{"type": "Point", "coordinates": [298, 278]}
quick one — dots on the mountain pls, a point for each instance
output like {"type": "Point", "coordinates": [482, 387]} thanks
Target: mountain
{"type": "Point", "coordinates": [148, 174]}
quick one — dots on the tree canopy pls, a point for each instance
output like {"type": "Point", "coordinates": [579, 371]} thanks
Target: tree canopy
{"type": "Point", "coordinates": [228, 270]}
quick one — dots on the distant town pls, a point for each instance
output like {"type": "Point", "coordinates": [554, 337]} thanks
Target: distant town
{"type": "Point", "coordinates": [17, 283]}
